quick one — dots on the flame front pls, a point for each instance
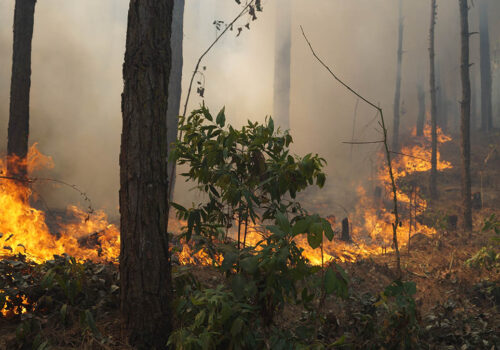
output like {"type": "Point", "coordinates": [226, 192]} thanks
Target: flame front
{"type": "Point", "coordinates": [23, 229]}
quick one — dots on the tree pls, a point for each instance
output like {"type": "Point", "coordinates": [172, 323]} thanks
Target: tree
{"type": "Point", "coordinates": [421, 110]}
{"type": "Point", "coordinates": [397, 95]}
{"type": "Point", "coordinates": [145, 271]}
{"type": "Point", "coordinates": [485, 59]}
{"type": "Point", "coordinates": [432, 83]}
{"type": "Point", "coordinates": [175, 83]}
{"type": "Point", "coordinates": [282, 64]}
{"type": "Point", "coordinates": [17, 144]}
{"type": "Point", "coordinates": [465, 115]}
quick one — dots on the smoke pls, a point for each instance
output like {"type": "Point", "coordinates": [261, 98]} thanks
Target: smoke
{"type": "Point", "coordinates": [78, 49]}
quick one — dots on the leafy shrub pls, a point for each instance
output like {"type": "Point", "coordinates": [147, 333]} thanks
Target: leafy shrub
{"type": "Point", "coordinates": [400, 327]}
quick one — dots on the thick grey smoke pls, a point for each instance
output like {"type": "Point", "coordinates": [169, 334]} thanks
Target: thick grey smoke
{"type": "Point", "coordinates": [78, 48]}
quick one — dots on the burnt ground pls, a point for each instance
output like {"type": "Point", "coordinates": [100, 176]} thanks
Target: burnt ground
{"type": "Point", "coordinates": [457, 305]}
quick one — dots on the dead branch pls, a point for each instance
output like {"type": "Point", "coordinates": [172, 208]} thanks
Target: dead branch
{"type": "Point", "coordinates": [395, 224]}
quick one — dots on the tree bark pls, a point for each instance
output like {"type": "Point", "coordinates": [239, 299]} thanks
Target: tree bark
{"type": "Point", "coordinates": [18, 132]}
{"type": "Point", "coordinates": [421, 110]}
{"type": "Point", "coordinates": [432, 83]}
{"type": "Point", "coordinates": [175, 85]}
{"type": "Point", "coordinates": [485, 59]}
{"type": "Point", "coordinates": [282, 64]}
{"type": "Point", "coordinates": [145, 270]}
{"type": "Point", "coordinates": [397, 95]}
{"type": "Point", "coordinates": [465, 115]}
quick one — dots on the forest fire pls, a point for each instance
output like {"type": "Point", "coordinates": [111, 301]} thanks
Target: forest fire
{"type": "Point", "coordinates": [89, 236]}
{"type": "Point", "coordinates": [24, 229]}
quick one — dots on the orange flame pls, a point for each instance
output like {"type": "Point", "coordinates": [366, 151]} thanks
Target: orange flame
{"type": "Point", "coordinates": [23, 229]}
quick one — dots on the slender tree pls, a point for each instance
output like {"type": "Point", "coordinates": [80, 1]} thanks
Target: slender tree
{"type": "Point", "coordinates": [421, 110]}
{"type": "Point", "coordinates": [175, 84]}
{"type": "Point", "coordinates": [465, 115]}
{"type": "Point", "coordinates": [432, 83]}
{"type": "Point", "coordinates": [485, 59]}
{"type": "Point", "coordinates": [17, 144]}
{"type": "Point", "coordinates": [282, 64]}
{"type": "Point", "coordinates": [397, 94]}
{"type": "Point", "coordinates": [145, 271]}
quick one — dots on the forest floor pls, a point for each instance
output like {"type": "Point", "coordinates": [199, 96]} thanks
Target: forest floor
{"type": "Point", "coordinates": [457, 305]}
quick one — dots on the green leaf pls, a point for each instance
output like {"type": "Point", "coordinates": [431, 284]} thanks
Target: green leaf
{"type": "Point", "coordinates": [237, 327]}
{"type": "Point", "coordinates": [314, 240]}
{"type": "Point", "coordinates": [327, 228]}
{"type": "Point", "coordinates": [199, 319]}
{"type": "Point", "coordinates": [301, 226]}
{"type": "Point", "coordinates": [250, 264]}
{"type": "Point", "coordinates": [221, 117]}
{"type": "Point", "coordinates": [238, 285]}
{"type": "Point", "coordinates": [283, 222]}
{"type": "Point", "coordinates": [64, 312]}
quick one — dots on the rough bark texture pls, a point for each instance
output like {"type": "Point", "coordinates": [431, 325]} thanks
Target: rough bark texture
{"type": "Point", "coordinates": [17, 144]}
{"type": "Point", "coordinates": [432, 83]}
{"type": "Point", "coordinates": [486, 79]}
{"type": "Point", "coordinates": [282, 64]}
{"type": "Point", "coordinates": [175, 84]}
{"type": "Point", "coordinates": [421, 110]}
{"type": "Point", "coordinates": [465, 115]}
{"type": "Point", "coordinates": [144, 261]}
{"type": "Point", "coordinates": [397, 95]}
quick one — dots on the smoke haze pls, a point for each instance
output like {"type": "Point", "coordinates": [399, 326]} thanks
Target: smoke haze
{"type": "Point", "coordinates": [78, 49]}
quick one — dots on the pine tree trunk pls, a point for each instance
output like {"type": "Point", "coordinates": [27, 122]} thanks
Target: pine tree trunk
{"type": "Point", "coordinates": [484, 49]}
{"type": "Point", "coordinates": [465, 115]}
{"type": "Point", "coordinates": [421, 110]}
{"type": "Point", "coordinates": [397, 95]}
{"type": "Point", "coordinates": [175, 85]}
{"type": "Point", "coordinates": [432, 83]}
{"type": "Point", "coordinates": [18, 132]}
{"type": "Point", "coordinates": [282, 64]}
{"type": "Point", "coordinates": [145, 271]}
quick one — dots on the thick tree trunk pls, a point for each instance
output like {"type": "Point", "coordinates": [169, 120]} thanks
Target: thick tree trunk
{"type": "Point", "coordinates": [432, 83]}
{"type": "Point", "coordinates": [282, 64]}
{"type": "Point", "coordinates": [145, 274]}
{"type": "Point", "coordinates": [486, 81]}
{"type": "Point", "coordinates": [465, 115]}
{"type": "Point", "coordinates": [17, 144]}
{"type": "Point", "coordinates": [421, 110]}
{"type": "Point", "coordinates": [397, 94]}
{"type": "Point", "coordinates": [175, 85]}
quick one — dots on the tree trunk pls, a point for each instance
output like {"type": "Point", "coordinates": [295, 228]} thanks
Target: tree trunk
{"type": "Point", "coordinates": [421, 110]}
{"type": "Point", "coordinates": [484, 48]}
{"type": "Point", "coordinates": [397, 95]}
{"type": "Point", "coordinates": [17, 144]}
{"type": "Point", "coordinates": [175, 85]}
{"type": "Point", "coordinates": [145, 271]}
{"type": "Point", "coordinates": [346, 237]}
{"type": "Point", "coordinates": [282, 64]}
{"type": "Point", "coordinates": [433, 178]}
{"type": "Point", "coordinates": [465, 115]}
{"type": "Point", "coordinates": [442, 112]}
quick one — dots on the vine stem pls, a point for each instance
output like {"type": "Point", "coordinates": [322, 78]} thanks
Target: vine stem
{"type": "Point", "coordinates": [396, 222]}
{"type": "Point", "coordinates": [196, 71]}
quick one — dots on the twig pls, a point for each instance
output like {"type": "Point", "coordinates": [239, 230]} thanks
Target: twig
{"type": "Point", "coordinates": [35, 179]}
{"type": "Point", "coordinates": [409, 155]}
{"type": "Point", "coordinates": [362, 142]}
{"type": "Point", "coordinates": [395, 224]}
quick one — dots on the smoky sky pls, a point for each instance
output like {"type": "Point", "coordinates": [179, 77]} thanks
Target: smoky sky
{"type": "Point", "coordinates": [78, 49]}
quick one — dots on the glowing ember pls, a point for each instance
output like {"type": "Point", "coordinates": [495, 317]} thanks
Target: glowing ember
{"type": "Point", "coordinates": [17, 310]}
